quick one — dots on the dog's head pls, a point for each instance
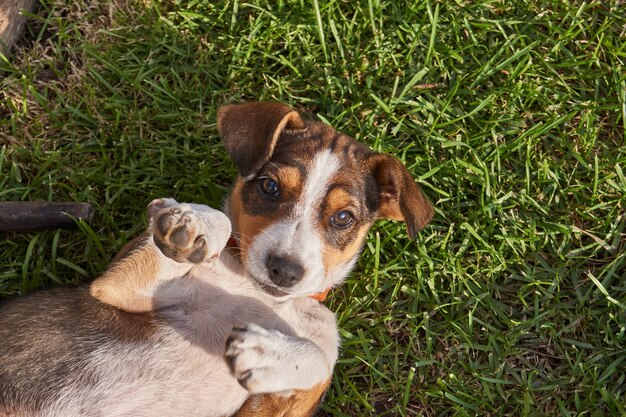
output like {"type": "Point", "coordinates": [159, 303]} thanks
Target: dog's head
{"type": "Point", "coordinates": [306, 196]}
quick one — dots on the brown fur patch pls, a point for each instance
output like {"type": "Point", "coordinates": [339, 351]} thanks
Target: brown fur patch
{"type": "Point", "coordinates": [251, 143]}
{"type": "Point", "coordinates": [125, 283]}
{"type": "Point", "coordinates": [289, 180]}
{"type": "Point", "coordinates": [299, 404]}
{"type": "Point", "coordinates": [335, 256]}
{"type": "Point", "coordinates": [339, 199]}
{"type": "Point", "coordinates": [234, 203]}
{"type": "Point", "coordinates": [249, 227]}
{"type": "Point", "coordinates": [400, 198]}
{"type": "Point", "coordinates": [65, 326]}
{"type": "Point", "coordinates": [245, 226]}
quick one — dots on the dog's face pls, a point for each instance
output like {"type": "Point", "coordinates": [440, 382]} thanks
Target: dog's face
{"type": "Point", "coordinates": [306, 197]}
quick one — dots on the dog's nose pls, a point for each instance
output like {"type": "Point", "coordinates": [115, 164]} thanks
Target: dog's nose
{"type": "Point", "coordinates": [284, 271]}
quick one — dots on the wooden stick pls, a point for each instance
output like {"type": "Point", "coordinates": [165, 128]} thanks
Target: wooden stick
{"type": "Point", "coordinates": [41, 215]}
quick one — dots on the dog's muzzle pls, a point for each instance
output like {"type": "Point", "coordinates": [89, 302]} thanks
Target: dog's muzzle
{"type": "Point", "coordinates": [284, 271]}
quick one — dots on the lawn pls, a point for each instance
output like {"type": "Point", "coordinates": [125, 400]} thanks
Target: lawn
{"type": "Point", "coordinates": [511, 115]}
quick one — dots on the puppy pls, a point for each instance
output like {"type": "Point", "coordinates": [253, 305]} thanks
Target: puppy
{"type": "Point", "coordinates": [179, 325]}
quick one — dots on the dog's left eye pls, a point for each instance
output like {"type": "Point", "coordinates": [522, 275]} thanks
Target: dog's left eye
{"type": "Point", "coordinates": [342, 219]}
{"type": "Point", "coordinates": [268, 186]}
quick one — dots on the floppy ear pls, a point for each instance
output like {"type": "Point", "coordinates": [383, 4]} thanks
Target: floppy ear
{"type": "Point", "coordinates": [250, 132]}
{"type": "Point", "coordinates": [400, 198]}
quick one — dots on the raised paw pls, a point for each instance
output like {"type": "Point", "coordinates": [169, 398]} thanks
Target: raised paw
{"type": "Point", "coordinates": [256, 357]}
{"type": "Point", "coordinates": [186, 232]}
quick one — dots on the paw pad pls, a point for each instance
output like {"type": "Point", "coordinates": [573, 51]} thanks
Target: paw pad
{"type": "Point", "coordinates": [179, 233]}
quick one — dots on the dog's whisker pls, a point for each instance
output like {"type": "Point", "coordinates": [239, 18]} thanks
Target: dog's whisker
{"type": "Point", "coordinates": [239, 237]}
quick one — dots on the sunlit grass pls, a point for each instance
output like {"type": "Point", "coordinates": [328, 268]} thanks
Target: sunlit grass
{"type": "Point", "coordinates": [511, 115]}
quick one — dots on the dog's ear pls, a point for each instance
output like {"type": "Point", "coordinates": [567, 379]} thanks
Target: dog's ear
{"type": "Point", "coordinates": [400, 198]}
{"type": "Point", "coordinates": [250, 132]}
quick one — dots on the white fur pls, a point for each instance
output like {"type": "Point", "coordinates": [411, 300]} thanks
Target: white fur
{"type": "Point", "coordinates": [274, 362]}
{"type": "Point", "coordinates": [325, 165]}
{"type": "Point", "coordinates": [183, 372]}
{"type": "Point", "coordinates": [297, 237]}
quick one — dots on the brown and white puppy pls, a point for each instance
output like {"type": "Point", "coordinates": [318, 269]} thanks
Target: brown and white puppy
{"type": "Point", "coordinates": [306, 197]}
{"type": "Point", "coordinates": [300, 208]}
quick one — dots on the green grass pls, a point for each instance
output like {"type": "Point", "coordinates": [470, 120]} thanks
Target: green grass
{"type": "Point", "coordinates": [510, 114]}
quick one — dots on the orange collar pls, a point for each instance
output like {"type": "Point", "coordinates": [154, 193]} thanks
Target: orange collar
{"type": "Point", "coordinates": [232, 243]}
{"type": "Point", "coordinates": [320, 296]}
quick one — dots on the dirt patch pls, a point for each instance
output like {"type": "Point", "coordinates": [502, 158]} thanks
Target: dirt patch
{"type": "Point", "coordinates": [50, 59]}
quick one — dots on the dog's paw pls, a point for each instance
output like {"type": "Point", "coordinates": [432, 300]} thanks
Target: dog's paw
{"type": "Point", "coordinates": [256, 357]}
{"type": "Point", "coordinates": [180, 232]}
{"type": "Point", "coordinates": [159, 204]}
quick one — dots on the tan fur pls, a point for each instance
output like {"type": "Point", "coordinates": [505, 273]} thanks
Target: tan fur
{"type": "Point", "coordinates": [337, 200]}
{"type": "Point", "coordinates": [334, 257]}
{"type": "Point", "coordinates": [250, 227]}
{"type": "Point", "coordinates": [290, 180]}
{"type": "Point", "coordinates": [133, 295]}
{"type": "Point", "coordinates": [9, 412]}
{"type": "Point", "coordinates": [298, 404]}
{"type": "Point", "coordinates": [245, 226]}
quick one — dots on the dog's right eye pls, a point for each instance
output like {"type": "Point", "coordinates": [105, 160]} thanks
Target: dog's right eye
{"type": "Point", "coordinates": [268, 186]}
{"type": "Point", "coordinates": [342, 219]}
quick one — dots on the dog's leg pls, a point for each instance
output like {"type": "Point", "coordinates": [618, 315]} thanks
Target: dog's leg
{"type": "Point", "coordinates": [299, 403]}
{"type": "Point", "coordinates": [286, 375]}
{"type": "Point", "coordinates": [268, 361]}
{"type": "Point", "coordinates": [180, 237]}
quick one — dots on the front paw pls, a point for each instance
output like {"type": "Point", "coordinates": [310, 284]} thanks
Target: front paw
{"type": "Point", "coordinates": [181, 233]}
{"type": "Point", "coordinates": [256, 357]}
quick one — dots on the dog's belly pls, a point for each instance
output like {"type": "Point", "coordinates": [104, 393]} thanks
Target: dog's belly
{"type": "Point", "coordinates": [171, 378]}
{"type": "Point", "coordinates": [180, 370]}
{"type": "Point", "coordinates": [65, 354]}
